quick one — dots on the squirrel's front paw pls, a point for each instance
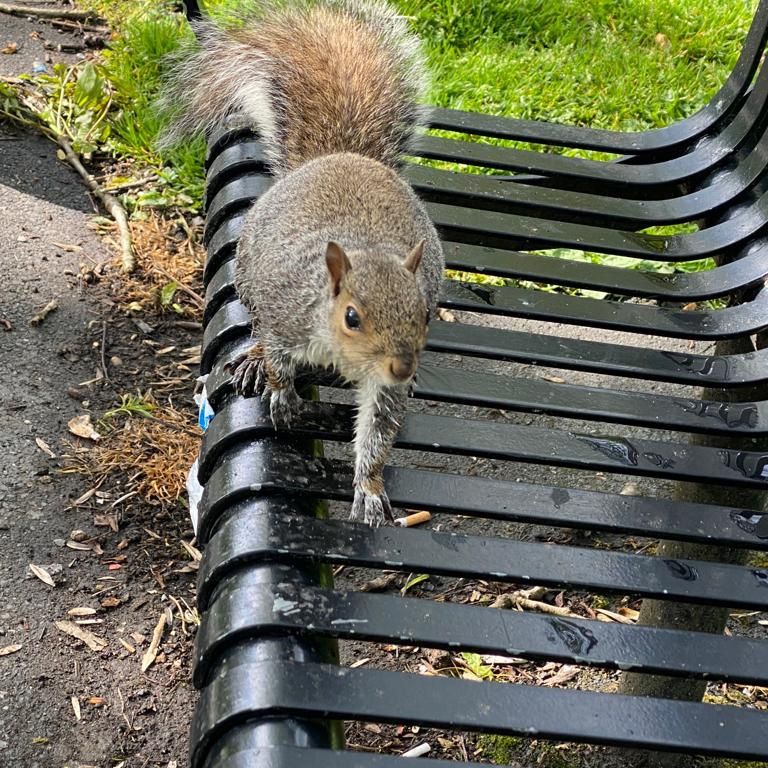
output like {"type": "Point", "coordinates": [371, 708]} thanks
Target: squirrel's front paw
{"type": "Point", "coordinates": [284, 406]}
{"type": "Point", "coordinates": [373, 508]}
{"type": "Point", "coordinates": [248, 374]}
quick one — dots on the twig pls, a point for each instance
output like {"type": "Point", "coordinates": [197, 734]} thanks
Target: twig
{"type": "Point", "coordinates": [151, 653]}
{"type": "Point", "coordinates": [110, 203]}
{"type": "Point", "coordinates": [78, 26]}
{"type": "Point", "coordinates": [46, 13]}
{"type": "Point", "coordinates": [525, 599]}
{"type": "Point", "coordinates": [181, 613]}
{"type": "Point", "coordinates": [187, 325]}
{"type": "Point", "coordinates": [131, 184]}
{"type": "Point", "coordinates": [193, 294]}
{"type": "Point", "coordinates": [103, 356]}
{"type": "Point", "coordinates": [44, 312]}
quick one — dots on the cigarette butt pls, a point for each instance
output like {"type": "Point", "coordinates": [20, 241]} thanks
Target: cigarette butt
{"type": "Point", "coordinates": [415, 518]}
{"type": "Point", "coordinates": [422, 749]}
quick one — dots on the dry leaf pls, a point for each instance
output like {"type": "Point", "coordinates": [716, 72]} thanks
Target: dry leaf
{"type": "Point", "coordinates": [96, 701]}
{"type": "Point", "coordinates": [128, 647]}
{"type": "Point", "coordinates": [193, 552]}
{"type": "Point", "coordinates": [76, 706]}
{"type": "Point", "coordinates": [106, 521]}
{"type": "Point", "coordinates": [554, 379]}
{"type": "Point", "coordinates": [92, 641]}
{"type": "Point", "coordinates": [82, 499]}
{"type": "Point", "coordinates": [563, 675]}
{"type": "Point", "coordinates": [630, 489]}
{"type": "Point", "coordinates": [79, 545]}
{"type": "Point", "coordinates": [7, 650]}
{"type": "Point", "coordinates": [42, 574]}
{"type": "Point", "coordinates": [81, 611]}
{"type": "Point", "coordinates": [148, 659]}
{"type": "Point", "coordinates": [612, 615]}
{"type": "Point", "coordinates": [44, 447]}
{"type": "Point", "coordinates": [662, 41]}
{"type": "Point", "coordinates": [502, 660]}
{"type": "Point", "coordinates": [82, 427]}
{"type": "Point", "coordinates": [111, 602]}
{"type": "Point", "coordinates": [10, 48]}
{"type": "Point", "coordinates": [690, 306]}
{"type": "Point", "coordinates": [629, 613]}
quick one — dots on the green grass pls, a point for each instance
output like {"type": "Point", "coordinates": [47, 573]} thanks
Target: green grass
{"type": "Point", "coordinates": [588, 62]}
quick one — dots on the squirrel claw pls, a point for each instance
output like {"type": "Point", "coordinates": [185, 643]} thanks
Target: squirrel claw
{"type": "Point", "coordinates": [371, 508]}
{"type": "Point", "coordinates": [248, 377]}
{"type": "Point", "coordinates": [284, 405]}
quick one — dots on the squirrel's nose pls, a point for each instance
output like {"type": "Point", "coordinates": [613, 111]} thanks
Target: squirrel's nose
{"type": "Point", "coordinates": [403, 367]}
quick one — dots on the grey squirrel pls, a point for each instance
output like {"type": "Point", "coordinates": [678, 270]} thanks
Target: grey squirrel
{"type": "Point", "coordinates": [338, 263]}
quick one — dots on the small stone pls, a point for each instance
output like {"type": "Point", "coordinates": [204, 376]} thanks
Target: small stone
{"type": "Point", "coordinates": [115, 361]}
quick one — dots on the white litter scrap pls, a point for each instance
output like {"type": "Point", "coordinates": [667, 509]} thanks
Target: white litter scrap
{"type": "Point", "coordinates": [204, 416]}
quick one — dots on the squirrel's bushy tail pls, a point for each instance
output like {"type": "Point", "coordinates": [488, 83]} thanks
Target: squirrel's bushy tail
{"type": "Point", "coordinates": [313, 77]}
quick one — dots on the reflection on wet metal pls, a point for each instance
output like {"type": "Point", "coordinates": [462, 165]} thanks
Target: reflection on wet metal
{"type": "Point", "coordinates": [681, 570]}
{"type": "Point", "coordinates": [560, 496]}
{"type": "Point", "coordinates": [617, 449]}
{"type": "Point", "coordinates": [658, 460]}
{"type": "Point", "coordinates": [751, 522]}
{"type": "Point", "coordinates": [703, 366]}
{"type": "Point", "coordinates": [577, 640]}
{"type": "Point", "coordinates": [762, 578]}
{"type": "Point", "coordinates": [732, 414]}
{"type": "Point", "coordinates": [747, 463]}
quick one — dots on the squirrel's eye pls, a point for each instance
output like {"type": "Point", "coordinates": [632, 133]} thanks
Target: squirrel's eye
{"type": "Point", "coordinates": [352, 319]}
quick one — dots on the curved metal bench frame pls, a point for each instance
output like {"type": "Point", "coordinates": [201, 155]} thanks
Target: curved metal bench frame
{"type": "Point", "coordinates": [271, 692]}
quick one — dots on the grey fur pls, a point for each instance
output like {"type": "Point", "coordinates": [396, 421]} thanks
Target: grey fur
{"type": "Point", "coordinates": [336, 183]}
{"type": "Point", "coordinates": [295, 69]}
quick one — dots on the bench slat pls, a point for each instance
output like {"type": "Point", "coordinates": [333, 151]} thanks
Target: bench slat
{"type": "Point", "coordinates": [247, 609]}
{"type": "Point", "coordinates": [255, 536]}
{"type": "Point", "coordinates": [473, 496]}
{"type": "Point", "coordinates": [285, 688]}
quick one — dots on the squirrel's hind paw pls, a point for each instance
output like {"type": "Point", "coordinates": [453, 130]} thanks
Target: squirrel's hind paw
{"type": "Point", "coordinates": [374, 509]}
{"type": "Point", "coordinates": [248, 374]}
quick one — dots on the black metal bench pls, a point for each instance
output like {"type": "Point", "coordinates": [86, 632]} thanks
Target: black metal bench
{"type": "Point", "coordinates": [271, 690]}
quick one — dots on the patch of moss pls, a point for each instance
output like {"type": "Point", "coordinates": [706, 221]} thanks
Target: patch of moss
{"type": "Point", "coordinates": [503, 750]}
{"type": "Point", "coordinates": [500, 750]}
{"type": "Point", "coordinates": [759, 560]}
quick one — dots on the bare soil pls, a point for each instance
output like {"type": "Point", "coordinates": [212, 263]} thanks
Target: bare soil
{"type": "Point", "coordinates": [129, 577]}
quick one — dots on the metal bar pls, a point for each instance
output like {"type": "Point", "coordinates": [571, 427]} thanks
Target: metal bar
{"type": "Point", "coordinates": [244, 609]}
{"type": "Point", "coordinates": [256, 536]}
{"type": "Point", "coordinates": [744, 319]}
{"type": "Point", "coordinates": [491, 439]}
{"type": "Point", "coordinates": [287, 473]}
{"type": "Point", "coordinates": [265, 690]}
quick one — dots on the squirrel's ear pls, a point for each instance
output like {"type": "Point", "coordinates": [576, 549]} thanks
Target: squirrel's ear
{"type": "Point", "coordinates": [338, 265]}
{"type": "Point", "coordinates": [414, 257]}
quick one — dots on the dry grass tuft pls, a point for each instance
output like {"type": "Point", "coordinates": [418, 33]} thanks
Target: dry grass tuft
{"type": "Point", "coordinates": [153, 446]}
{"type": "Point", "coordinates": [169, 268]}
